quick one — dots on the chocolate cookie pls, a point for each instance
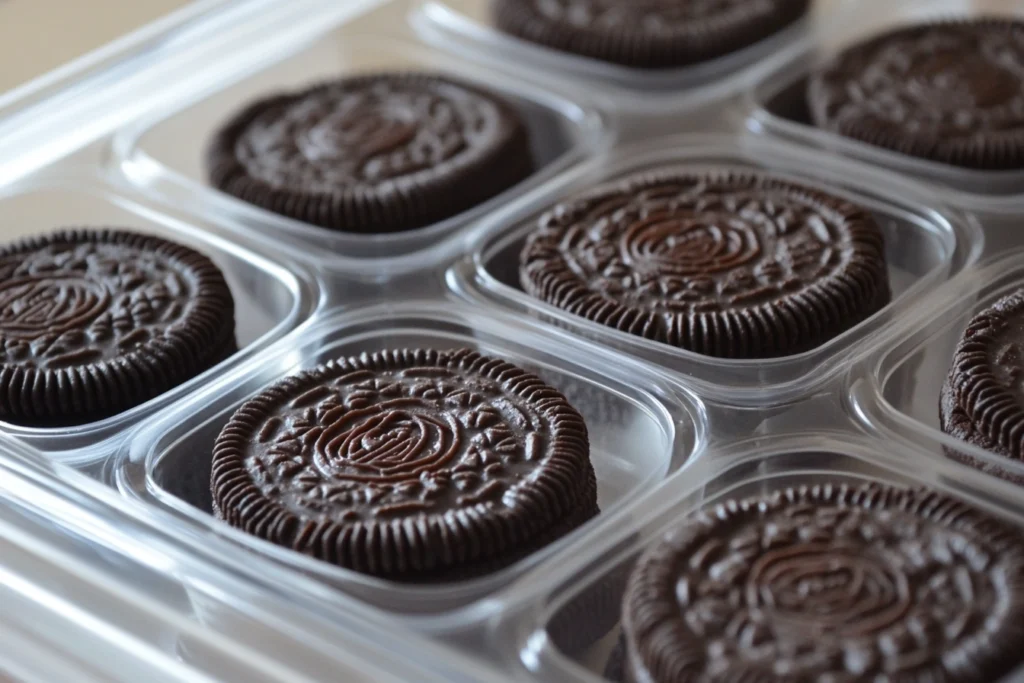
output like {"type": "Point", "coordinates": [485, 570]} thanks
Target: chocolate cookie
{"type": "Point", "coordinates": [415, 465]}
{"type": "Point", "coordinates": [649, 34]}
{"type": "Point", "coordinates": [94, 322]}
{"type": "Point", "coordinates": [372, 154]}
{"type": "Point", "coordinates": [982, 401]}
{"type": "Point", "coordinates": [734, 265]}
{"type": "Point", "coordinates": [830, 583]}
{"type": "Point", "coordinates": [951, 92]}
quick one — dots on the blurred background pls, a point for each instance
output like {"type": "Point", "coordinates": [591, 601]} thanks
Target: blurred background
{"type": "Point", "coordinates": [37, 36]}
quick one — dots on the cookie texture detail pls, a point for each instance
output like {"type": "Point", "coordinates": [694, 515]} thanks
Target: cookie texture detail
{"type": "Point", "coordinates": [379, 153]}
{"type": "Point", "coordinates": [951, 92]}
{"type": "Point", "coordinates": [407, 464]}
{"type": "Point", "coordinates": [829, 582]}
{"type": "Point", "coordinates": [734, 265]}
{"type": "Point", "coordinates": [94, 322]}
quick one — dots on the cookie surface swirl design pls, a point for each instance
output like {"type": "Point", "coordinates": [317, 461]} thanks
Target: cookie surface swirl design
{"type": "Point", "coordinates": [727, 264]}
{"type": "Point", "coordinates": [375, 153]}
{"type": "Point", "coordinates": [387, 443]}
{"type": "Point", "coordinates": [830, 582]}
{"type": "Point", "coordinates": [341, 135]}
{"type": "Point", "coordinates": [32, 306]}
{"type": "Point", "coordinates": [414, 446]}
{"type": "Point", "coordinates": [93, 322]}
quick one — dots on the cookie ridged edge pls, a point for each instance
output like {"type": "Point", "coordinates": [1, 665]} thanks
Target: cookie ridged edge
{"type": "Point", "coordinates": [204, 336]}
{"type": "Point", "coordinates": [700, 42]}
{"type": "Point", "coordinates": [414, 546]}
{"type": "Point", "coordinates": [994, 414]}
{"type": "Point", "coordinates": [394, 205]}
{"type": "Point", "coordinates": [652, 625]}
{"type": "Point", "coordinates": [992, 151]}
{"type": "Point", "coordinates": [791, 324]}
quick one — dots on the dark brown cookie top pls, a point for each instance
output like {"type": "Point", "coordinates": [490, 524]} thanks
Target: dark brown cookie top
{"type": "Point", "coordinates": [93, 322]}
{"type": "Point", "coordinates": [951, 92]}
{"type": "Point", "coordinates": [401, 463]}
{"type": "Point", "coordinates": [830, 583]}
{"type": "Point", "coordinates": [726, 264]}
{"type": "Point", "coordinates": [646, 33]}
{"type": "Point", "coordinates": [375, 153]}
{"type": "Point", "coordinates": [984, 396]}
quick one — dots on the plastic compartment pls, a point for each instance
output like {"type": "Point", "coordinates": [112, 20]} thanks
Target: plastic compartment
{"type": "Point", "coordinates": [164, 153]}
{"type": "Point", "coordinates": [465, 26]}
{"type": "Point", "coordinates": [926, 244]}
{"type": "Point", "coordinates": [623, 403]}
{"type": "Point", "coordinates": [896, 395]}
{"type": "Point", "coordinates": [272, 296]}
{"type": "Point", "coordinates": [778, 106]}
{"type": "Point", "coordinates": [97, 592]}
{"type": "Point", "coordinates": [750, 469]}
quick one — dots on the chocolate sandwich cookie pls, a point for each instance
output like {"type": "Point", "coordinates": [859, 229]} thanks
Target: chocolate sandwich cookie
{"type": "Point", "coordinates": [734, 265]}
{"type": "Point", "coordinates": [372, 154]}
{"type": "Point", "coordinates": [829, 583]}
{"type": "Point", "coordinates": [414, 465]}
{"type": "Point", "coordinates": [648, 34]}
{"type": "Point", "coordinates": [951, 92]}
{"type": "Point", "coordinates": [982, 400]}
{"type": "Point", "coordinates": [94, 322]}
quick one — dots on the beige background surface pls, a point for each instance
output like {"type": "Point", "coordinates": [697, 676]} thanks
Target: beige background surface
{"type": "Point", "coordinates": [37, 36]}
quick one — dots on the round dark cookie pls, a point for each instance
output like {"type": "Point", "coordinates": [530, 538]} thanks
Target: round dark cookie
{"type": "Point", "coordinates": [829, 583]}
{"type": "Point", "coordinates": [408, 464]}
{"type": "Point", "coordinates": [649, 34]}
{"type": "Point", "coordinates": [94, 322]}
{"type": "Point", "coordinates": [734, 265]}
{"type": "Point", "coordinates": [951, 92]}
{"type": "Point", "coordinates": [982, 400]}
{"type": "Point", "coordinates": [372, 154]}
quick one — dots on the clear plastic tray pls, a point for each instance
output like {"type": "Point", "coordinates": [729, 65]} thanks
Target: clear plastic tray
{"type": "Point", "coordinates": [777, 105]}
{"type": "Point", "coordinates": [88, 600]}
{"type": "Point", "coordinates": [165, 154]}
{"type": "Point", "coordinates": [169, 462]}
{"type": "Point", "coordinates": [749, 469]}
{"type": "Point", "coordinates": [670, 430]}
{"type": "Point", "coordinates": [464, 26]}
{"type": "Point", "coordinates": [925, 244]}
{"type": "Point", "coordinates": [899, 395]}
{"type": "Point", "coordinates": [272, 295]}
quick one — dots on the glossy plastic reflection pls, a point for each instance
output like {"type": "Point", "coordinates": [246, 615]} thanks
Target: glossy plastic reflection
{"type": "Point", "coordinates": [165, 154]}
{"type": "Point", "coordinates": [642, 428]}
{"type": "Point", "coordinates": [925, 245]}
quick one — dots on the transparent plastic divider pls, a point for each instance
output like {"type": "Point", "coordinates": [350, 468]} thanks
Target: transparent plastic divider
{"type": "Point", "coordinates": [927, 243]}
{"type": "Point", "coordinates": [273, 296]}
{"type": "Point", "coordinates": [895, 392]}
{"type": "Point", "coordinates": [464, 27]}
{"type": "Point", "coordinates": [743, 469]}
{"type": "Point", "coordinates": [163, 154]}
{"type": "Point", "coordinates": [623, 402]}
{"type": "Point", "coordinates": [104, 590]}
{"type": "Point", "coordinates": [777, 105]}
{"type": "Point", "coordinates": [211, 600]}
